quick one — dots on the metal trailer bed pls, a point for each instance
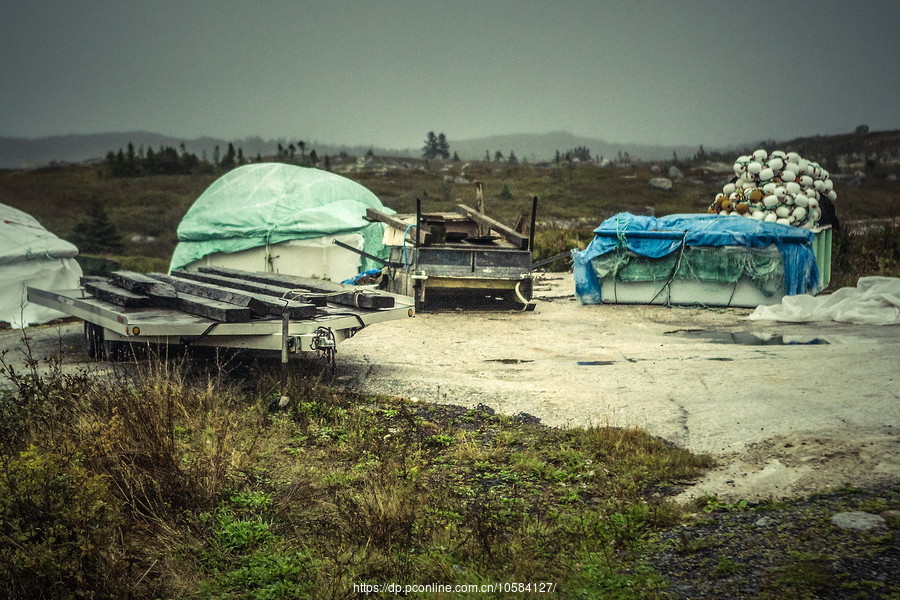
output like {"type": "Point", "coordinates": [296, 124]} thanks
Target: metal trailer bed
{"type": "Point", "coordinates": [335, 312]}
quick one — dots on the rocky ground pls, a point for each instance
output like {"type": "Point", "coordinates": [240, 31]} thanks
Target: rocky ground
{"type": "Point", "coordinates": [842, 544]}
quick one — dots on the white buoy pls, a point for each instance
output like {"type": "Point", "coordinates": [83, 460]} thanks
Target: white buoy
{"type": "Point", "coordinates": [829, 185]}
{"type": "Point", "coordinates": [806, 181]}
{"type": "Point", "coordinates": [799, 213]}
{"type": "Point", "coordinates": [801, 200]}
{"type": "Point", "coordinates": [780, 192]}
{"type": "Point", "coordinates": [766, 174]}
{"type": "Point", "coordinates": [758, 215]}
{"type": "Point", "coordinates": [792, 187]}
{"type": "Point", "coordinates": [760, 155]}
{"type": "Point", "coordinates": [832, 195]}
{"type": "Point", "coordinates": [782, 221]}
{"type": "Point", "coordinates": [788, 175]}
{"type": "Point", "coordinates": [776, 164]}
{"type": "Point", "coordinates": [770, 201]}
{"type": "Point", "coordinates": [771, 218]}
{"type": "Point", "coordinates": [728, 188]}
{"type": "Point", "coordinates": [754, 168]}
{"type": "Point", "coordinates": [782, 211]}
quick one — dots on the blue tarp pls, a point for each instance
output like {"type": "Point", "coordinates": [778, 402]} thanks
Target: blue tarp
{"type": "Point", "coordinates": [653, 237]}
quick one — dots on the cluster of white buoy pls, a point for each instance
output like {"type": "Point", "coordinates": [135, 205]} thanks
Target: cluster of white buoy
{"type": "Point", "coordinates": [781, 187]}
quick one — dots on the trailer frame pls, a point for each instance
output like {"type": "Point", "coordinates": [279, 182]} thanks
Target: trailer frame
{"type": "Point", "coordinates": [109, 328]}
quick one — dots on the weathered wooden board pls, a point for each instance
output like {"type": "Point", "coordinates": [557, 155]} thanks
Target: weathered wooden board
{"type": "Point", "coordinates": [374, 215]}
{"type": "Point", "coordinates": [259, 304]}
{"type": "Point", "coordinates": [335, 292]}
{"type": "Point", "coordinates": [140, 283]}
{"type": "Point", "coordinates": [103, 290]}
{"type": "Point", "coordinates": [213, 309]}
{"type": "Point", "coordinates": [277, 292]}
{"type": "Point", "coordinates": [512, 236]}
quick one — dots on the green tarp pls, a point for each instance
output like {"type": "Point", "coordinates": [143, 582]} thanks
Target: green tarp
{"type": "Point", "coordinates": [267, 203]}
{"type": "Point", "coordinates": [763, 267]}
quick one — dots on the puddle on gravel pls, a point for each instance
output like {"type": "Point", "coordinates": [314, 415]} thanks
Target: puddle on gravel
{"type": "Point", "coordinates": [595, 363]}
{"type": "Point", "coordinates": [508, 361]}
{"type": "Point", "coordinates": [748, 338]}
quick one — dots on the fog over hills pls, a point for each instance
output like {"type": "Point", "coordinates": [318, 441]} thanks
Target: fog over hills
{"type": "Point", "coordinates": [16, 153]}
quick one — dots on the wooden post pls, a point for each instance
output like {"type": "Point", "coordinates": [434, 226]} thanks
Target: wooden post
{"type": "Point", "coordinates": [418, 222]}
{"type": "Point", "coordinates": [531, 231]}
{"type": "Point", "coordinates": [479, 206]}
{"type": "Point", "coordinates": [285, 365]}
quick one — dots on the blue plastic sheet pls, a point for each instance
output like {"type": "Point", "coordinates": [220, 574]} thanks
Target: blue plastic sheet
{"type": "Point", "coordinates": [657, 237]}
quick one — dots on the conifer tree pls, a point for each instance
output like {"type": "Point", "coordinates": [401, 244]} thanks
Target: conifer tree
{"type": "Point", "coordinates": [431, 149]}
{"type": "Point", "coordinates": [95, 233]}
{"type": "Point", "coordinates": [443, 147]}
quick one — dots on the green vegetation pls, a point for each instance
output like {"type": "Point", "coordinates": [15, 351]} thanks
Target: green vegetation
{"type": "Point", "coordinates": [575, 195]}
{"type": "Point", "coordinates": [156, 483]}
{"type": "Point", "coordinates": [164, 482]}
{"type": "Point", "coordinates": [860, 249]}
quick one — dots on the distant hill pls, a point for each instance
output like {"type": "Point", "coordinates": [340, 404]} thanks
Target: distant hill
{"type": "Point", "coordinates": [17, 153]}
{"type": "Point", "coordinates": [544, 146]}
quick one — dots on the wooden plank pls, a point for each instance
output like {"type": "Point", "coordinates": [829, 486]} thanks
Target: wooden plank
{"type": "Point", "coordinates": [374, 215]}
{"type": "Point", "coordinates": [194, 305]}
{"type": "Point", "coordinates": [514, 238]}
{"type": "Point", "coordinates": [213, 309]}
{"type": "Point", "coordinates": [337, 293]}
{"type": "Point", "coordinates": [140, 283]}
{"type": "Point", "coordinates": [103, 290]}
{"type": "Point", "coordinates": [279, 293]}
{"type": "Point", "coordinates": [259, 304]}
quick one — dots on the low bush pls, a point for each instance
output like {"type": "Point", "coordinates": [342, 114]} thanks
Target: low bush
{"type": "Point", "coordinates": [864, 250]}
{"type": "Point", "coordinates": [60, 529]}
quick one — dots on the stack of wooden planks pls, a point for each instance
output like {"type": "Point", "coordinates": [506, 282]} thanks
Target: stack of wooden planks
{"type": "Point", "coordinates": [232, 296]}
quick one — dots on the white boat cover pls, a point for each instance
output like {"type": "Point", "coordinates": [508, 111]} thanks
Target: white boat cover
{"type": "Point", "coordinates": [31, 256]}
{"type": "Point", "coordinates": [874, 301]}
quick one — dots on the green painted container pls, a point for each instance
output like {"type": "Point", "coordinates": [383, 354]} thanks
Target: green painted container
{"type": "Point", "coordinates": [822, 252]}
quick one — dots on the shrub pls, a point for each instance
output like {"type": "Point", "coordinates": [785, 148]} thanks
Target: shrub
{"type": "Point", "coordinates": [550, 242]}
{"type": "Point", "coordinates": [864, 251]}
{"type": "Point", "coordinates": [59, 529]}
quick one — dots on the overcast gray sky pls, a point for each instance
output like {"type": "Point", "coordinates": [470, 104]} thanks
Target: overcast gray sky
{"type": "Point", "coordinates": [384, 73]}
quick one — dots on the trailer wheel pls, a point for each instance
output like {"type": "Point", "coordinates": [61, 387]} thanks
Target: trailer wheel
{"type": "Point", "coordinates": [115, 351]}
{"type": "Point", "coordinates": [93, 341]}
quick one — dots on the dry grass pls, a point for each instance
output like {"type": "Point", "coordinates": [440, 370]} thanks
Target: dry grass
{"type": "Point", "coordinates": [573, 200]}
{"type": "Point", "coordinates": [211, 494]}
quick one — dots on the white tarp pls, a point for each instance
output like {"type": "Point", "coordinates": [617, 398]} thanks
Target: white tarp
{"type": "Point", "coordinates": [31, 256]}
{"type": "Point", "coordinates": [874, 301]}
{"type": "Point", "coordinates": [315, 257]}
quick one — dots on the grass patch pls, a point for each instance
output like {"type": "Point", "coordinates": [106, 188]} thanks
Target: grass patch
{"type": "Point", "coordinates": [206, 492]}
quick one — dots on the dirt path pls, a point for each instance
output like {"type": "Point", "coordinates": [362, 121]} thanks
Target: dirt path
{"type": "Point", "coordinates": [783, 419]}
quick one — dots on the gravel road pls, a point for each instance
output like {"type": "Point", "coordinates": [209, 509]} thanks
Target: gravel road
{"type": "Point", "coordinates": [816, 407]}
